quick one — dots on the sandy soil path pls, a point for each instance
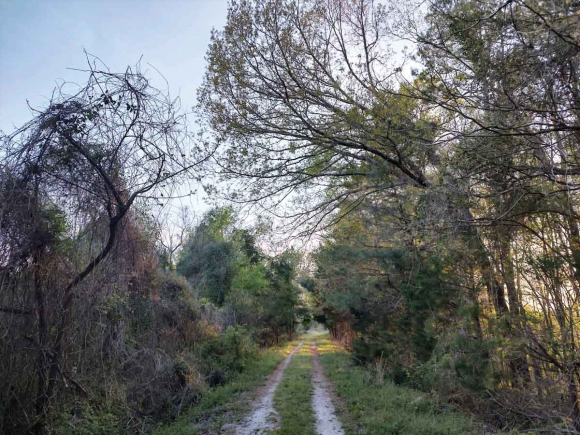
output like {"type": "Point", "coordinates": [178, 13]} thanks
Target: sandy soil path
{"type": "Point", "coordinates": [326, 421]}
{"type": "Point", "coordinates": [263, 417]}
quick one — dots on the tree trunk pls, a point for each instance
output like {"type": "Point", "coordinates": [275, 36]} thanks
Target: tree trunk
{"type": "Point", "coordinates": [574, 247]}
{"type": "Point", "coordinates": [509, 276]}
{"type": "Point", "coordinates": [43, 363]}
{"type": "Point", "coordinates": [57, 351]}
{"type": "Point", "coordinates": [495, 290]}
{"type": "Point", "coordinates": [573, 398]}
{"type": "Point", "coordinates": [519, 365]}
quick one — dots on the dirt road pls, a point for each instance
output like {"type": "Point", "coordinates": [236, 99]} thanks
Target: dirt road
{"type": "Point", "coordinates": [263, 419]}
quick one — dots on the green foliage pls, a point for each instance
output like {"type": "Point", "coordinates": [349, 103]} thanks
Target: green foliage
{"type": "Point", "coordinates": [238, 347]}
{"type": "Point", "coordinates": [459, 360]}
{"type": "Point", "coordinates": [85, 419]}
{"type": "Point", "coordinates": [281, 305]}
{"type": "Point", "coordinates": [226, 354]}
{"type": "Point", "coordinates": [364, 352]}
{"type": "Point", "coordinates": [218, 223]}
{"type": "Point", "coordinates": [53, 221]}
{"type": "Point", "coordinates": [174, 287]}
{"type": "Point", "coordinates": [247, 243]}
{"type": "Point", "coordinates": [427, 339]}
{"type": "Point", "coordinates": [425, 297]}
{"type": "Point", "coordinates": [383, 408]}
{"type": "Point", "coordinates": [114, 307]}
{"type": "Point", "coordinates": [215, 262]}
{"type": "Point", "coordinates": [211, 254]}
{"type": "Point", "coordinates": [308, 283]}
{"type": "Point", "coordinates": [224, 265]}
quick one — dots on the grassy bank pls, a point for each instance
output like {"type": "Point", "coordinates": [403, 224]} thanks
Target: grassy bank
{"type": "Point", "coordinates": [227, 403]}
{"type": "Point", "coordinates": [293, 397]}
{"type": "Point", "coordinates": [374, 409]}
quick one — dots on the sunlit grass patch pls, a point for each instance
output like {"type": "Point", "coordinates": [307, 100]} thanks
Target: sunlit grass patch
{"type": "Point", "coordinates": [388, 409]}
{"type": "Point", "coordinates": [228, 403]}
{"type": "Point", "coordinates": [293, 397]}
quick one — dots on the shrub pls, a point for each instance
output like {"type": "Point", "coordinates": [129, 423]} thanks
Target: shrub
{"type": "Point", "coordinates": [84, 419]}
{"type": "Point", "coordinates": [228, 353]}
{"type": "Point", "coordinates": [174, 286]}
{"type": "Point", "coordinates": [162, 387]}
{"type": "Point", "coordinates": [365, 353]}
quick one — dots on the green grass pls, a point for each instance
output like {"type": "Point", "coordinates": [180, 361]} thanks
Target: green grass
{"type": "Point", "coordinates": [388, 409]}
{"type": "Point", "coordinates": [227, 403]}
{"type": "Point", "coordinates": [366, 408]}
{"type": "Point", "coordinates": [293, 397]}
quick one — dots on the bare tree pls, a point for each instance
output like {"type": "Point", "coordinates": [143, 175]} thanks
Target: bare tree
{"type": "Point", "coordinates": [174, 236]}
{"type": "Point", "coordinates": [89, 156]}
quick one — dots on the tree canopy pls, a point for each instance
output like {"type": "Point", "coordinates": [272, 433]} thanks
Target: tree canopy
{"type": "Point", "coordinates": [443, 177]}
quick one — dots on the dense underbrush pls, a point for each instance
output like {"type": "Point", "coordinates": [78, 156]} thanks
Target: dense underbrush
{"type": "Point", "coordinates": [165, 356]}
{"type": "Point", "coordinates": [145, 360]}
{"type": "Point", "coordinates": [146, 338]}
{"type": "Point", "coordinates": [222, 405]}
{"type": "Point", "coordinates": [375, 404]}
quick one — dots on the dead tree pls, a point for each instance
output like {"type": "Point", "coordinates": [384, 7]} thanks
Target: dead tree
{"type": "Point", "coordinates": [90, 155]}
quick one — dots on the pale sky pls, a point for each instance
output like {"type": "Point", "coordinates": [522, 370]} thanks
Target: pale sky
{"type": "Point", "coordinates": [40, 39]}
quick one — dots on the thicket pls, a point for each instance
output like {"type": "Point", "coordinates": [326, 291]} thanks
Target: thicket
{"type": "Point", "coordinates": [101, 332]}
{"type": "Point", "coordinates": [227, 269]}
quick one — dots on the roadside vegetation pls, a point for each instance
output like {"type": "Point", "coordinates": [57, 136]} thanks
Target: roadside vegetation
{"type": "Point", "coordinates": [229, 403]}
{"type": "Point", "coordinates": [126, 332]}
{"type": "Point", "coordinates": [374, 405]}
{"type": "Point", "coordinates": [434, 147]}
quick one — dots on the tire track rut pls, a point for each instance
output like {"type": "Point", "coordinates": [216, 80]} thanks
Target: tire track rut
{"type": "Point", "coordinates": [327, 422]}
{"type": "Point", "coordinates": [264, 419]}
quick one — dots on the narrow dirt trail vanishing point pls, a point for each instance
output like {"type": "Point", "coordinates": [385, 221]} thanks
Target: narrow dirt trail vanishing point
{"type": "Point", "coordinates": [264, 418]}
{"type": "Point", "coordinates": [327, 422]}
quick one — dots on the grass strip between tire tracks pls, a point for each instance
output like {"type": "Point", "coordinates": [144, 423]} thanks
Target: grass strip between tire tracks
{"type": "Point", "coordinates": [293, 398]}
